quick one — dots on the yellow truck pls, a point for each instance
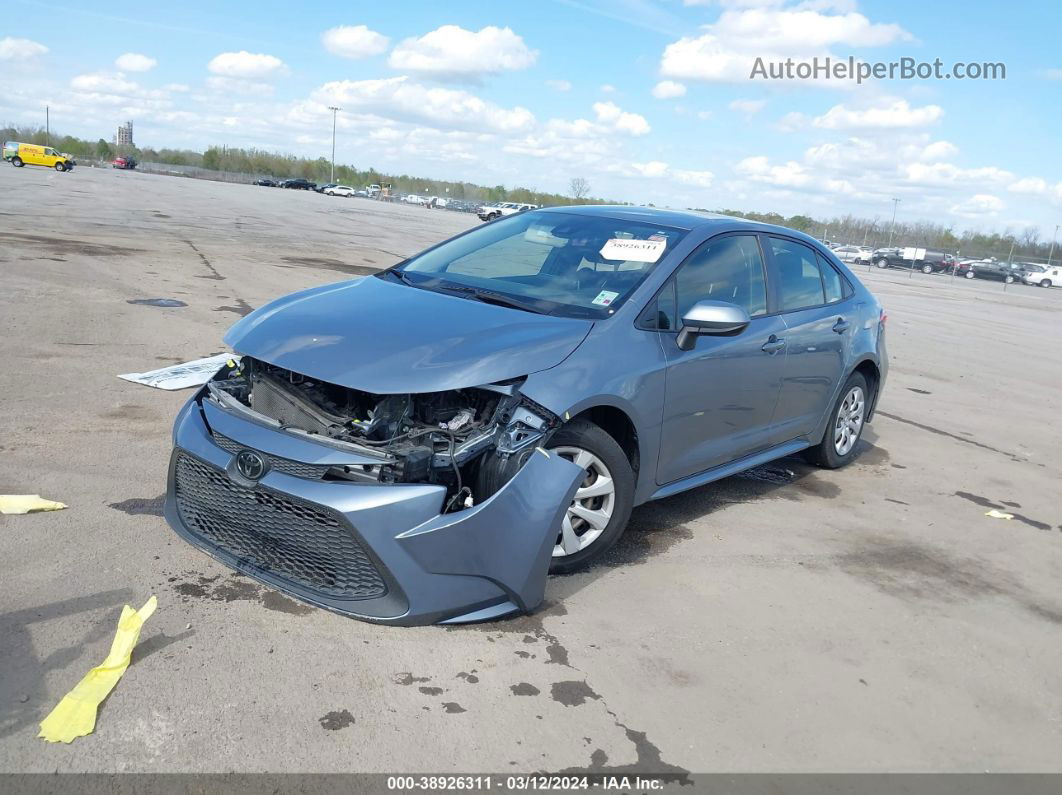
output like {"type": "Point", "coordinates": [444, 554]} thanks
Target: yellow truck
{"type": "Point", "coordinates": [19, 155]}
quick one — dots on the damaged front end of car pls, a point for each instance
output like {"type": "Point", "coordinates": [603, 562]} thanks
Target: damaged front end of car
{"type": "Point", "coordinates": [402, 508]}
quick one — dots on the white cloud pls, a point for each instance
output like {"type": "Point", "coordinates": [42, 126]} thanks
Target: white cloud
{"type": "Point", "coordinates": [897, 114]}
{"type": "Point", "coordinates": [247, 65]}
{"type": "Point", "coordinates": [12, 49]}
{"type": "Point", "coordinates": [135, 62]}
{"type": "Point", "coordinates": [607, 88]}
{"type": "Point", "coordinates": [748, 107]}
{"type": "Point", "coordinates": [180, 88]}
{"type": "Point", "coordinates": [354, 41]}
{"type": "Point", "coordinates": [699, 179]}
{"type": "Point", "coordinates": [611, 114]}
{"type": "Point", "coordinates": [668, 89]}
{"type": "Point", "coordinates": [1053, 74]}
{"type": "Point", "coordinates": [401, 99]}
{"type": "Point", "coordinates": [103, 82]}
{"type": "Point", "coordinates": [559, 85]}
{"type": "Point", "coordinates": [978, 206]}
{"type": "Point", "coordinates": [728, 48]}
{"type": "Point", "coordinates": [654, 168]}
{"type": "Point", "coordinates": [453, 53]}
{"type": "Point", "coordinates": [236, 85]}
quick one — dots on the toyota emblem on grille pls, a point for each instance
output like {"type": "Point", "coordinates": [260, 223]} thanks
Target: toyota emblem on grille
{"type": "Point", "coordinates": [250, 464]}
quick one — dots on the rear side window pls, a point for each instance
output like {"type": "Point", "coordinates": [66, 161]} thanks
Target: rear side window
{"type": "Point", "coordinates": [800, 284]}
{"type": "Point", "coordinates": [832, 282]}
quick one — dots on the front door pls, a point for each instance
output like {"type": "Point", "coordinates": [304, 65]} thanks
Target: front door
{"type": "Point", "coordinates": [720, 396]}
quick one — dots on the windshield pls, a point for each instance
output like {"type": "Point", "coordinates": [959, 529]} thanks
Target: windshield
{"type": "Point", "coordinates": [547, 262]}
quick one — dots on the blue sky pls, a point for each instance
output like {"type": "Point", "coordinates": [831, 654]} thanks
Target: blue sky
{"type": "Point", "coordinates": [649, 101]}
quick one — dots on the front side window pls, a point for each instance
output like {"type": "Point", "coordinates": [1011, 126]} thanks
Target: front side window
{"type": "Point", "coordinates": [724, 269]}
{"type": "Point", "coordinates": [567, 264]}
{"type": "Point", "coordinates": [799, 282]}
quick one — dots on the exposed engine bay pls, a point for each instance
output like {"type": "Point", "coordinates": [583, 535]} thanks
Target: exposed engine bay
{"type": "Point", "coordinates": [470, 440]}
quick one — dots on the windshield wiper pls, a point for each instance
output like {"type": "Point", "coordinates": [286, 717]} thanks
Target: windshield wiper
{"type": "Point", "coordinates": [491, 297]}
{"type": "Point", "coordinates": [400, 275]}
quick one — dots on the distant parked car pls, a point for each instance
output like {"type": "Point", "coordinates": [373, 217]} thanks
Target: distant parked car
{"type": "Point", "coordinates": [491, 212]}
{"type": "Point", "coordinates": [854, 254]}
{"type": "Point", "coordinates": [413, 198]}
{"type": "Point", "coordinates": [266, 182]}
{"type": "Point", "coordinates": [1049, 277]}
{"type": "Point", "coordinates": [1008, 272]}
{"type": "Point", "coordinates": [124, 163]}
{"type": "Point", "coordinates": [298, 184]}
{"type": "Point", "coordinates": [1031, 268]}
{"type": "Point", "coordinates": [326, 186]}
{"type": "Point", "coordinates": [339, 190]}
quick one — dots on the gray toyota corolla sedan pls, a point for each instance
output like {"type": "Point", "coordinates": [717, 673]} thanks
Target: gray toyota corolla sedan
{"type": "Point", "coordinates": [425, 444]}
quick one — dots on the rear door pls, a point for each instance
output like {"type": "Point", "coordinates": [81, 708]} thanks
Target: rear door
{"type": "Point", "coordinates": [816, 304]}
{"type": "Point", "coordinates": [720, 396]}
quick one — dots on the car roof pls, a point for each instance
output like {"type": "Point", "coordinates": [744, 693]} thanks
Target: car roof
{"type": "Point", "coordinates": [680, 219]}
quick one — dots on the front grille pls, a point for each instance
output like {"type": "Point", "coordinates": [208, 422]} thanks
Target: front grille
{"type": "Point", "coordinates": [285, 465]}
{"type": "Point", "coordinates": [296, 540]}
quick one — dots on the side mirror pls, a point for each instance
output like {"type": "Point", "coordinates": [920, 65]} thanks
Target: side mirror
{"type": "Point", "coordinates": [710, 317]}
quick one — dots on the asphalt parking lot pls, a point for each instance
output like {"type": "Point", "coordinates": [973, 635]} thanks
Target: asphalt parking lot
{"type": "Point", "coordinates": [789, 619]}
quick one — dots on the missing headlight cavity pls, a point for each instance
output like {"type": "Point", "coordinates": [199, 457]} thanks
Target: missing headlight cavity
{"type": "Point", "coordinates": [472, 441]}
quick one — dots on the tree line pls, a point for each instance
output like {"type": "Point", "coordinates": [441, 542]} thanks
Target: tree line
{"type": "Point", "coordinates": [1007, 245]}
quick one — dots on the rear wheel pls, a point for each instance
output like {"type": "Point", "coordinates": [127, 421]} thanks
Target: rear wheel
{"type": "Point", "coordinates": [927, 269]}
{"type": "Point", "coordinates": [969, 274]}
{"type": "Point", "coordinates": [17, 162]}
{"type": "Point", "coordinates": [1009, 279]}
{"type": "Point", "coordinates": [602, 506]}
{"type": "Point", "coordinates": [838, 445]}
{"type": "Point", "coordinates": [1045, 283]}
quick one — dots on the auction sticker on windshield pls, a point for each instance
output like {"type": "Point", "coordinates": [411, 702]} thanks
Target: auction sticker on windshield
{"type": "Point", "coordinates": [604, 298]}
{"type": "Point", "coordinates": [633, 250]}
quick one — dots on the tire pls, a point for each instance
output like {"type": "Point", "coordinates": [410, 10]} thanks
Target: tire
{"type": "Point", "coordinates": [882, 263]}
{"type": "Point", "coordinates": [927, 269]}
{"type": "Point", "coordinates": [60, 167]}
{"type": "Point", "coordinates": [1009, 279]}
{"type": "Point", "coordinates": [586, 442]}
{"type": "Point", "coordinates": [969, 275]}
{"type": "Point", "coordinates": [16, 161]}
{"type": "Point", "coordinates": [830, 453]}
{"type": "Point", "coordinates": [1045, 283]}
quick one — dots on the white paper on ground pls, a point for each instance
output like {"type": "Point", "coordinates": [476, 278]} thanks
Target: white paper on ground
{"type": "Point", "coordinates": [181, 376]}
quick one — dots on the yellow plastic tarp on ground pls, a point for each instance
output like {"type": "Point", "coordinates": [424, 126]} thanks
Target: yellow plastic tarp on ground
{"type": "Point", "coordinates": [75, 715]}
{"type": "Point", "coordinates": [27, 503]}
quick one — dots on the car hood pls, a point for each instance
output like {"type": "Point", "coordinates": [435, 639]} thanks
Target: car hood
{"type": "Point", "coordinates": [387, 338]}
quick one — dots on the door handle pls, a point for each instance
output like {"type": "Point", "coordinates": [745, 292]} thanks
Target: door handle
{"type": "Point", "coordinates": [841, 326]}
{"type": "Point", "coordinates": [773, 345]}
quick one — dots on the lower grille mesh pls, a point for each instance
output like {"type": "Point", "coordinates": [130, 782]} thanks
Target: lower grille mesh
{"type": "Point", "coordinates": [296, 540]}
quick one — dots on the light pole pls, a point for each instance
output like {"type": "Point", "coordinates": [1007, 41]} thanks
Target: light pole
{"type": "Point", "coordinates": [1051, 253]}
{"type": "Point", "coordinates": [334, 110]}
{"type": "Point", "coordinates": [47, 126]}
{"type": "Point", "coordinates": [892, 226]}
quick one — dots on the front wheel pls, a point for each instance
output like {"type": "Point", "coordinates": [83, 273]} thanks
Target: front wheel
{"type": "Point", "coordinates": [602, 506]}
{"type": "Point", "coordinates": [60, 167]}
{"type": "Point", "coordinates": [1009, 280]}
{"type": "Point", "coordinates": [17, 162]}
{"type": "Point", "coordinates": [1045, 283]}
{"type": "Point", "coordinates": [882, 263]}
{"type": "Point", "coordinates": [927, 269]}
{"type": "Point", "coordinates": [838, 445]}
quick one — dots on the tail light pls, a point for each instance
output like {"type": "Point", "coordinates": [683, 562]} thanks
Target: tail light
{"type": "Point", "coordinates": [884, 316]}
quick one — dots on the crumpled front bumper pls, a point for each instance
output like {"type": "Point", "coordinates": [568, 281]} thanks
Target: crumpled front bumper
{"type": "Point", "coordinates": [381, 553]}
